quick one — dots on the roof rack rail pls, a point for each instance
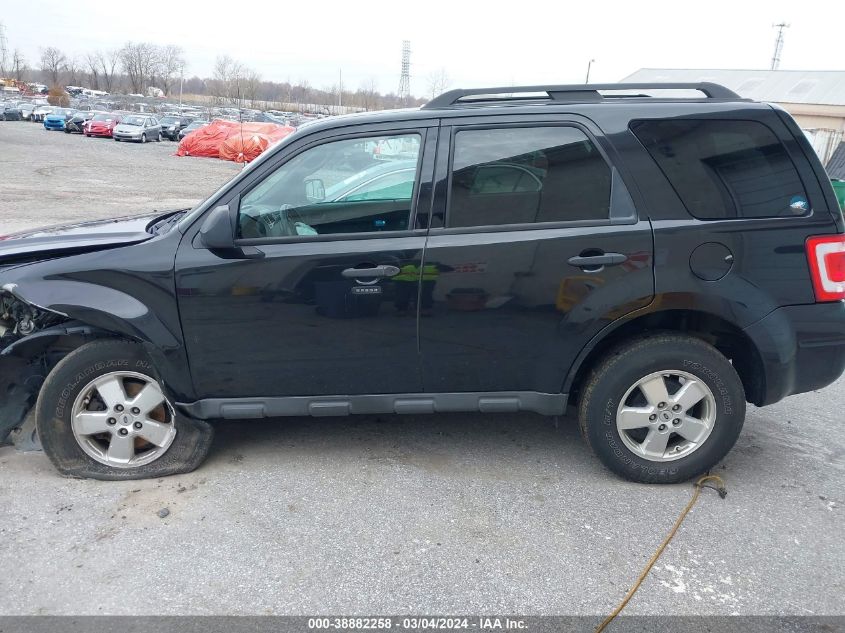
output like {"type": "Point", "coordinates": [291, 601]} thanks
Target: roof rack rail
{"type": "Point", "coordinates": [569, 93]}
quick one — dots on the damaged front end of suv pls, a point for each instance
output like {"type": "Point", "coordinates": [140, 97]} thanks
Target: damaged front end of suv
{"type": "Point", "coordinates": [68, 287]}
{"type": "Point", "coordinates": [27, 335]}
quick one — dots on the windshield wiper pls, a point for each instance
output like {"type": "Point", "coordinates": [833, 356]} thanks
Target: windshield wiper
{"type": "Point", "coordinates": [159, 227]}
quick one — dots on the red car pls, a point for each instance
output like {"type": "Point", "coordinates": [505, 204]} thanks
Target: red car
{"type": "Point", "coordinates": [101, 125]}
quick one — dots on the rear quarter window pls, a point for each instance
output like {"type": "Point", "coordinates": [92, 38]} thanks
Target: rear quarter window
{"type": "Point", "coordinates": [725, 169]}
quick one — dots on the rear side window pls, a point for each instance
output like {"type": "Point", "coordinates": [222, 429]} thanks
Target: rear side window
{"type": "Point", "coordinates": [725, 169]}
{"type": "Point", "coordinates": [527, 175]}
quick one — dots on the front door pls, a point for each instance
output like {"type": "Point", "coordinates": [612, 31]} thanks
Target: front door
{"type": "Point", "coordinates": [538, 247]}
{"type": "Point", "coordinates": [329, 309]}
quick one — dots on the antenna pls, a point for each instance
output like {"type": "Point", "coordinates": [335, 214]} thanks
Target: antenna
{"type": "Point", "coordinates": [778, 44]}
{"type": "Point", "coordinates": [405, 77]}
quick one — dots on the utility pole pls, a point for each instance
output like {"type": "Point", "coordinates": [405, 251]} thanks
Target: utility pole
{"type": "Point", "coordinates": [778, 44]}
{"type": "Point", "coordinates": [589, 65]}
{"type": "Point", "coordinates": [181, 79]}
{"type": "Point", "coordinates": [340, 90]}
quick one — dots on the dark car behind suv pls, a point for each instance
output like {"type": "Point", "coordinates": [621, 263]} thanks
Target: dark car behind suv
{"type": "Point", "coordinates": [172, 125]}
{"type": "Point", "coordinates": [651, 262]}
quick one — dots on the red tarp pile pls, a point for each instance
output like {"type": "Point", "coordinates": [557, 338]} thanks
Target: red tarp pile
{"type": "Point", "coordinates": [230, 140]}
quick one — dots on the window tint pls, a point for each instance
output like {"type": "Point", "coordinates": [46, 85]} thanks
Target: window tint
{"type": "Point", "coordinates": [358, 185]}
{"type": "Point", "coordinates": [527, 175]}
{"type": "Point", "coordinates": [725, 169]}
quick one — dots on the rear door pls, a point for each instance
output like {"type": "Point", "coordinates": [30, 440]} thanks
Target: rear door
{"type": "Point", "coordinates": [534, 246]}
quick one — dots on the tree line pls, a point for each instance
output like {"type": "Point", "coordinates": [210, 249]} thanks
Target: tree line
{"type": "Point", "coordinates": [137, 66]}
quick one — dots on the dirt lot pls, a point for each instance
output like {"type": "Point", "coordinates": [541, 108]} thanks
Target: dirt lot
{"type": "Point", "coordinates": [389, 515]}
{"type": "Point", "coordinates": [50, 177]}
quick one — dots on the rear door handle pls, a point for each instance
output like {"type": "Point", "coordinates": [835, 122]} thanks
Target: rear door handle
{"type": "Point", "coordinates": [597, 261]}
{"type": "Point", "coordinates": [376, 272]}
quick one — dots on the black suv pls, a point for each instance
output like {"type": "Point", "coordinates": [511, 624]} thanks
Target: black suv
{"type": "Point", "coordinates": [172, 125]}
{"type": "Point", "coordinates": [653, 262]}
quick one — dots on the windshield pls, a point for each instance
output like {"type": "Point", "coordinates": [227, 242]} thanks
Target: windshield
{"type": "Point", "coordinates": [133, 120]}
{"type": "Point", "coordinates": [169, 119]}
{"type": "Point", "coordinates": [103, 117]}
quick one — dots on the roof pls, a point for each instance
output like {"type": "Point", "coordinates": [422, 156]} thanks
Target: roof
{"type": "Point", "coordinates": [825, 87]}
{"type": "Point", "coordinates": [836, 165]}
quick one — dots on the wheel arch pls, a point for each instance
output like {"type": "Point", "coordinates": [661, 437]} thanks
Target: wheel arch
{"type": "Point", "coordinates": [725, 336]}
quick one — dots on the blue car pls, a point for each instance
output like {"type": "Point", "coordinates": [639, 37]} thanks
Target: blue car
{"type": "Point", "coordinates": [57, 118]}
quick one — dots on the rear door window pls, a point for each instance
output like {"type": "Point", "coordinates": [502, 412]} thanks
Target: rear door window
{"type": "Point", "coordinates": [527, 175]}
{"type": "Point", "coordinates": [725, 168]}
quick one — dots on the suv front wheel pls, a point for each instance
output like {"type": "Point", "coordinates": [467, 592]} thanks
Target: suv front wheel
{"type": "Point", "coordinates": [102, 413]}
{"type": "Point", "coordinates": [662, 409]}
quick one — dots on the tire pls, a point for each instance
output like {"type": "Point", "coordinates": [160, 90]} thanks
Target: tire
{"type": "Point", "coordinates": [117, 140]}
{"type": "Point", "coordinates": [144, 137]}
{"type": "Point", "coordinates": [159, 138]}
{"type": "Point", "coordinates": [82, 441]}
{"type": "Point", "coordinates": [616, 415]}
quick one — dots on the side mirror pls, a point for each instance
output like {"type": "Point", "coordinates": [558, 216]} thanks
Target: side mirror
{"type": "Point", "coordinates": [216, 231]}
{"type": "Point", "coordinates": [315, 191]}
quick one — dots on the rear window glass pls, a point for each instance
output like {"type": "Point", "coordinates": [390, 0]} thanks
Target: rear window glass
{"type": "Point", "coordinates": [725, 169]}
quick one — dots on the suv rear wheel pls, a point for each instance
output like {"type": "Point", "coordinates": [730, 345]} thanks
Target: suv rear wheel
{"type": "Point", "coordinates": [102, 413]}
{"type": "Point", "coordinates": [662, 409]}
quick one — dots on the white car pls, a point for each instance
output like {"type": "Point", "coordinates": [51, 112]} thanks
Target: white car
{"type": "Point", "coordinates": [40, 112]}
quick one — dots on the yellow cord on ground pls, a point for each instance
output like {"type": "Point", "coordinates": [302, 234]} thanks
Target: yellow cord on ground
{"type": "Point", "coordinates": [698, 486]}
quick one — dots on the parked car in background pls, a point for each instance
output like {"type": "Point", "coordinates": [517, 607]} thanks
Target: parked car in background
{"type": "Point", "coordinates": [76, 123]}
{"type": "Point", "coordinates": [194, 125]}
{"type": "Point", "coordinates": [26, 110]}
{"type": "Point", "coordinates": [10, 112]}
{"type": "Point", "coordinates": [137, 127]}
{"type": "Point", "coordinates": [40, 112]}
{"type": "Point", "coordinates": [172, 125]}
{"type": "Point", "coordinates": [101, 124]}
{"type": "Point", "coordinates": [57, 119]}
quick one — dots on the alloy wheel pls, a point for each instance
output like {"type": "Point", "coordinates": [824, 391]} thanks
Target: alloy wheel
{"type": "Point", "coordinates": [666, 415]}
{"type": "Point", "coordinates": [123, 420]}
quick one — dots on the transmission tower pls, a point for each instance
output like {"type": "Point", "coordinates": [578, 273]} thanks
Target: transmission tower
{"type": "Point", "coordinates": [778, 44]}
{"type": "Point", "coordinates": [405, 77]}
{"type": "Point", "coordinates": [4, 51]}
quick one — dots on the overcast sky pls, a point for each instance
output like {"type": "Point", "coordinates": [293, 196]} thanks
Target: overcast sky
{"type": "Point", "coordinates": [477, 42]}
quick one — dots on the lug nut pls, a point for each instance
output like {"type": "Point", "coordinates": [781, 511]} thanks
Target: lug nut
{"type": "Point", "coordinates": [677, 407]}
{"type": "Point", "coordinates": [652, 417]}
{"type": "Point", "coordinates": [123, 432]}
{"type": "Point", "coordinates": [138, 425]}
{"type": "Point", "coordinates": [662, 405]}
{"type": "Point", "coordinates": [676, 422]}
{"type": "Point", "coordinates": [135, 410]}
{"type": "Point", "coordinates": [662, 427]}
{"type": "Point", "coordinates": [118, 407]}
{"type": "Point", "coordinates": [111, 421]}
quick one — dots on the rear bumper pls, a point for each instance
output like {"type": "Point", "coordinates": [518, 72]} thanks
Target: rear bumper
{"type": "Point", "coordinates": [802, 348]}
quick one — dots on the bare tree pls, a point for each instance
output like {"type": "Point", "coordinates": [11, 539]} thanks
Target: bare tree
{"type": "Point", "coordinates": [19, 66]}
{"type": "Point", "coordinates": [250, 86]}
{"type": "Point", "coordinates": [438, 82]}
{"type": "Point", "coordinates": [108, 62]}
{"type": "Point", "coordinates": [73, 69]}
{"type": "Point", "coordinates": [227, 78]}
{"type": "Point", "coordinates": [53, 62]}
{"type": "Point", "coordinates": [92, 63]}
{"type": "Point", "coordinates": [140, 62]}
{"type": "Point", "coordinates": [368, 94]}
{"type": "Point", "coordinates": [171, 65]}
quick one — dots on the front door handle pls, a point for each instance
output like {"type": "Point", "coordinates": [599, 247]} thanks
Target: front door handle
{"type": "Point", "coordinates": [377, 272]}
{"type": "Point", "coordinates": [594, 262]}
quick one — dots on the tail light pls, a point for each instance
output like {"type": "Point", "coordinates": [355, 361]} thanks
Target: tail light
{"type": "Point", "coordinates": [826, 254]}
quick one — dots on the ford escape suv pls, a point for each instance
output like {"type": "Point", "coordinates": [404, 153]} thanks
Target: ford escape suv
{"type": "Point", "coordinates": [650, 256]}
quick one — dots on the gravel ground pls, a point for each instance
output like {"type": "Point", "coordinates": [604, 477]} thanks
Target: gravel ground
{"type": "Point", "coordinates": [49, 177]}
{"type": "Point", "coordinates": [390, 515]}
